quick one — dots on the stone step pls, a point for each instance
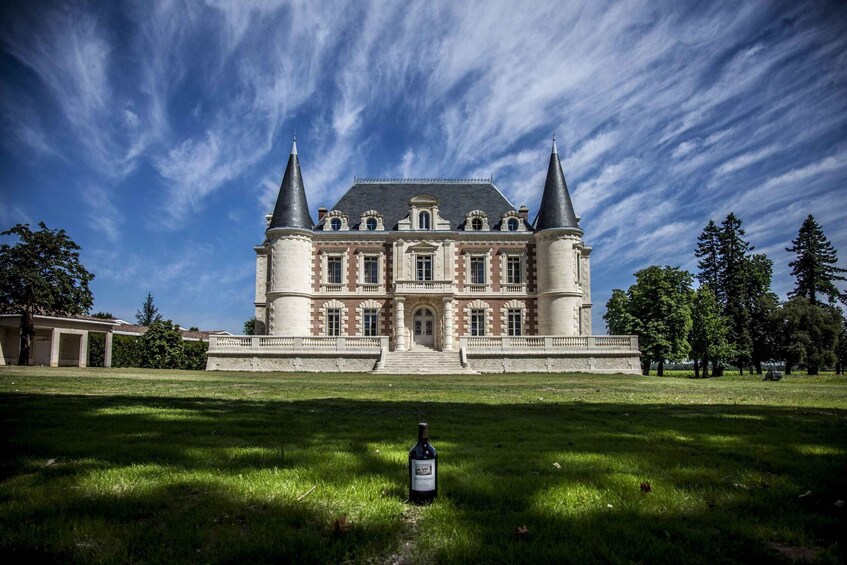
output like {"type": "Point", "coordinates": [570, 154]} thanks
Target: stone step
{"type": "Point", "coordinates": [422, 361]}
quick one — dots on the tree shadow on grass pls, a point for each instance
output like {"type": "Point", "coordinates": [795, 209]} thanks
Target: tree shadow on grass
{"type": "Point", "coordinates": [127, 478]}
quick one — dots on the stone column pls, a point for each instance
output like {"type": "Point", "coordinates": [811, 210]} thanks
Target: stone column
{"type": "Point", "coordinates": [107, 352]}
{"type": "Point", "coordinates": [83, 349]}
{"type": "Point", "coordinates": [399, 325]}
{"type": "Point", "coordinates": [55, 339]}
{"type": "Point", "coordinates": [448, 323]}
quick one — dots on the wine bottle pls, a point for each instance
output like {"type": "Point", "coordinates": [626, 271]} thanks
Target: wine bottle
{"type": "Point", "coordinates": [423, 469]}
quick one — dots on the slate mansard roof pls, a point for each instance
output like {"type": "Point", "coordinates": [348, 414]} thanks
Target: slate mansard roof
{"type": "Point", "coordinates": [391, 199]}
{"type": "Point", "coordinates": [456, 199]}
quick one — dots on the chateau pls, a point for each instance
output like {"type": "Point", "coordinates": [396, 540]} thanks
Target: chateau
{"type": "Point", "coordinates": [416, 275]}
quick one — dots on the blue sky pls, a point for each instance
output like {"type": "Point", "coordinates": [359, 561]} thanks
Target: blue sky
{"type": "Point", "coordinates": [156, 133]}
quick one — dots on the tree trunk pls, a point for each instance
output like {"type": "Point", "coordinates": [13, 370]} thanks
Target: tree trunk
{"type": "Point", "coordinates": [705, 367]}
{"type": "Point", "coordinates": [758, 367]}
{"type": "Point", "coordinates": [787, 368]}
{"type": "Point", "coordinates": [645, 367]}
{"type": "Point", "coordinates": [27, 331]}
{"type": "Point", "coordinates": [717, 371]}
{"type": "Point", "coordinates": [696, 368]}
{"type": "Point", "coordinates": [660, 371]}
{"type": "Point", "coordinates": [812, 370]}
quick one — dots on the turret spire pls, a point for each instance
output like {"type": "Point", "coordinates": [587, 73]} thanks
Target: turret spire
{"type": "Point", "coordinates": [556, 209]}
{"type": "Point", "coordinates": [292, 209]}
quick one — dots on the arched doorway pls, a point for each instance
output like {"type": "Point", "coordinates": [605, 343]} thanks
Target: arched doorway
{"type": "Point", "coordinates": [423, 328]}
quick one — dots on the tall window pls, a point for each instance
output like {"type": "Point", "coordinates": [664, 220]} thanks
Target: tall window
{"type": "Point", "coordinates": [371, 269]}
{"type": "Point", "coordinates": [333, 321]}
{"type": "Point", "coordinates": [333, 270]}
{"type": "Point", "coordinates": [477, 270]}
{"type": "Point", "coordinates": [423, 221]}
{"type": "Point", "coordinates": [477, 322]}
{"type": "Point", "coordinates": [513, 270]}
{"type": "Point", "coordinates": [424, 267]}
{"type": "Point", "coordinates": [514, 320]}
{"type": "Point", "coordinates": [512, 224]}
{"type": "Point", "coordinates": [370, 322]}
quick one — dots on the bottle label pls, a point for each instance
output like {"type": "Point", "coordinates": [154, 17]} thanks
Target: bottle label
{"type": "Point", "coordinates": [423, 474]}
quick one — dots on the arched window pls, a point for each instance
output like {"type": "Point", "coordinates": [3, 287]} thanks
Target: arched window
{"type": "Point", "coordinates": [371, 224]}
{"type": "Point", "coordinates": [423, 220]}
{"type": "Point", "coordinates": [335, 224]}
{"type": "Point", "coordinates": [512, 224]}
{"type": "Point", "coordinates": [476, 224]}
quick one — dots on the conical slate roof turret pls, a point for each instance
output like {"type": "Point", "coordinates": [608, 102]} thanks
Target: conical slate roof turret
{"type": "Point", "coordinates": [556, 210]}
{"type": "Point", "coordinates": [292, 209]}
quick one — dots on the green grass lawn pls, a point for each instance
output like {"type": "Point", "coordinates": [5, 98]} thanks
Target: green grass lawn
{"type": "Point", "coordinates": [163, 466]}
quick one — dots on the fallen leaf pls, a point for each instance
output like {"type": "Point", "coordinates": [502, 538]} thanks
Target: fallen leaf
{"type": "Point", "coordinates": [609, 506]}
{"type": "Point", "coordinates": [49, 462]}
{"type": "Point", "coordinates": [556, 465]}
{"type": "Point", "coordinates": [645, 487]}
{"type": "Point", "coordinates": [341, 525]}
{"type": "Point", "coordinates": [805, 494]}
{"type": "Point", "coordinates": [522, 531]}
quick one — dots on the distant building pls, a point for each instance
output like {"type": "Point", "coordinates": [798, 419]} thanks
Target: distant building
{"type": "Point", "coordinates": [446, 269]}
{"type": "Point", "coordinates": [58, 341]}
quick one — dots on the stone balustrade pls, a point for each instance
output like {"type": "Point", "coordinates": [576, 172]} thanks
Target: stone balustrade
{"type": "Point", "coordinates": [261, 344]}
{"type": "Point", "coordinates": [424, 287]}
{"type": "Point", "coordinates": [544, 344]}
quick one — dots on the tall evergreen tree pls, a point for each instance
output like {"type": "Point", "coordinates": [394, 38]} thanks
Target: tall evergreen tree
{"type": "Point", "coordinates": [41, 274]}
{"type": "Point", "coordinates": [733, 265]}
{"type": "Point", "coordinates": [814, 267]}
{"type": "Point", "coordinates": [148, 313]}
{"type": "Point", "coordinates": [708, 255]}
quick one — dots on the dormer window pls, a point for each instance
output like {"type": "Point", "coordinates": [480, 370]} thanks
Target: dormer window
{"type": "Point", "coordinates": [512, 221]}
{"type": "Point", "coordinates": [424, 221]}
{"type": "Point", "coordinates": [371, 220]}
{"type": "Point", "coordinates": [476, 220]}
{"type": "Point", "coordinates": [336, 220]}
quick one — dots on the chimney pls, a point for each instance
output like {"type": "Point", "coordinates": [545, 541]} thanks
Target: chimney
{"type": "Point", "coordinates": [524, 212]}
{"type": "Point", "coordinates": [321, 213]}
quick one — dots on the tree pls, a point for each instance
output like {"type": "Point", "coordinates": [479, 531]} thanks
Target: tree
{"type": "Point", "coordinates": [841, 349]}
{"type": "Point", "coordinates": [657, 308]}
{"type": "Point", "coordinates": [733, 264]}
{"type": "Point", "coordinates": [709, 331]}
{"type": "Point", "coordinates": [161, 346]}
{"type": "Point", "coordinates": [761, 304]}
{"type": "Point", "coordinates": [814, 267]}
{"type": "Point", "coordinates": [708, 255]}
{"type": "Point", "coordinates": [148, 313]}
{"type": "Point", "coordinates": [810, 334]}
{"type": "Point", "coordinates": [103, 316]}
{"type": "Point", "coordinates": [250, 326]}
{"type": "Point", "coordinates": [42, 274]}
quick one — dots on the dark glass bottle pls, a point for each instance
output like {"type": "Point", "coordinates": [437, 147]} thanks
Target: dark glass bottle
{"type": "Point", "coordinates": [423, 469]}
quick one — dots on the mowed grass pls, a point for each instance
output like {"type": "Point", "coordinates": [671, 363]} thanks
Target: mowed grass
{"type": "Point", "coordinates": [164, 467]}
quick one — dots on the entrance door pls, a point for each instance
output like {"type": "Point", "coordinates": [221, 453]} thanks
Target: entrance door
{"type": "Point", "coordinates": [424, 323]}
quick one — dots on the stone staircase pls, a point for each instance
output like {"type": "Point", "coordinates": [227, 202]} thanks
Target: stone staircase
{"type": "Point", "coordinates": [423, 361]}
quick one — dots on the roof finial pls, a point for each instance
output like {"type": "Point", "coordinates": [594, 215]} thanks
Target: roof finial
{"type": "Point", "coordinates": [294, 144]}
{"type": "Point", "coordinates": [555, 151]}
